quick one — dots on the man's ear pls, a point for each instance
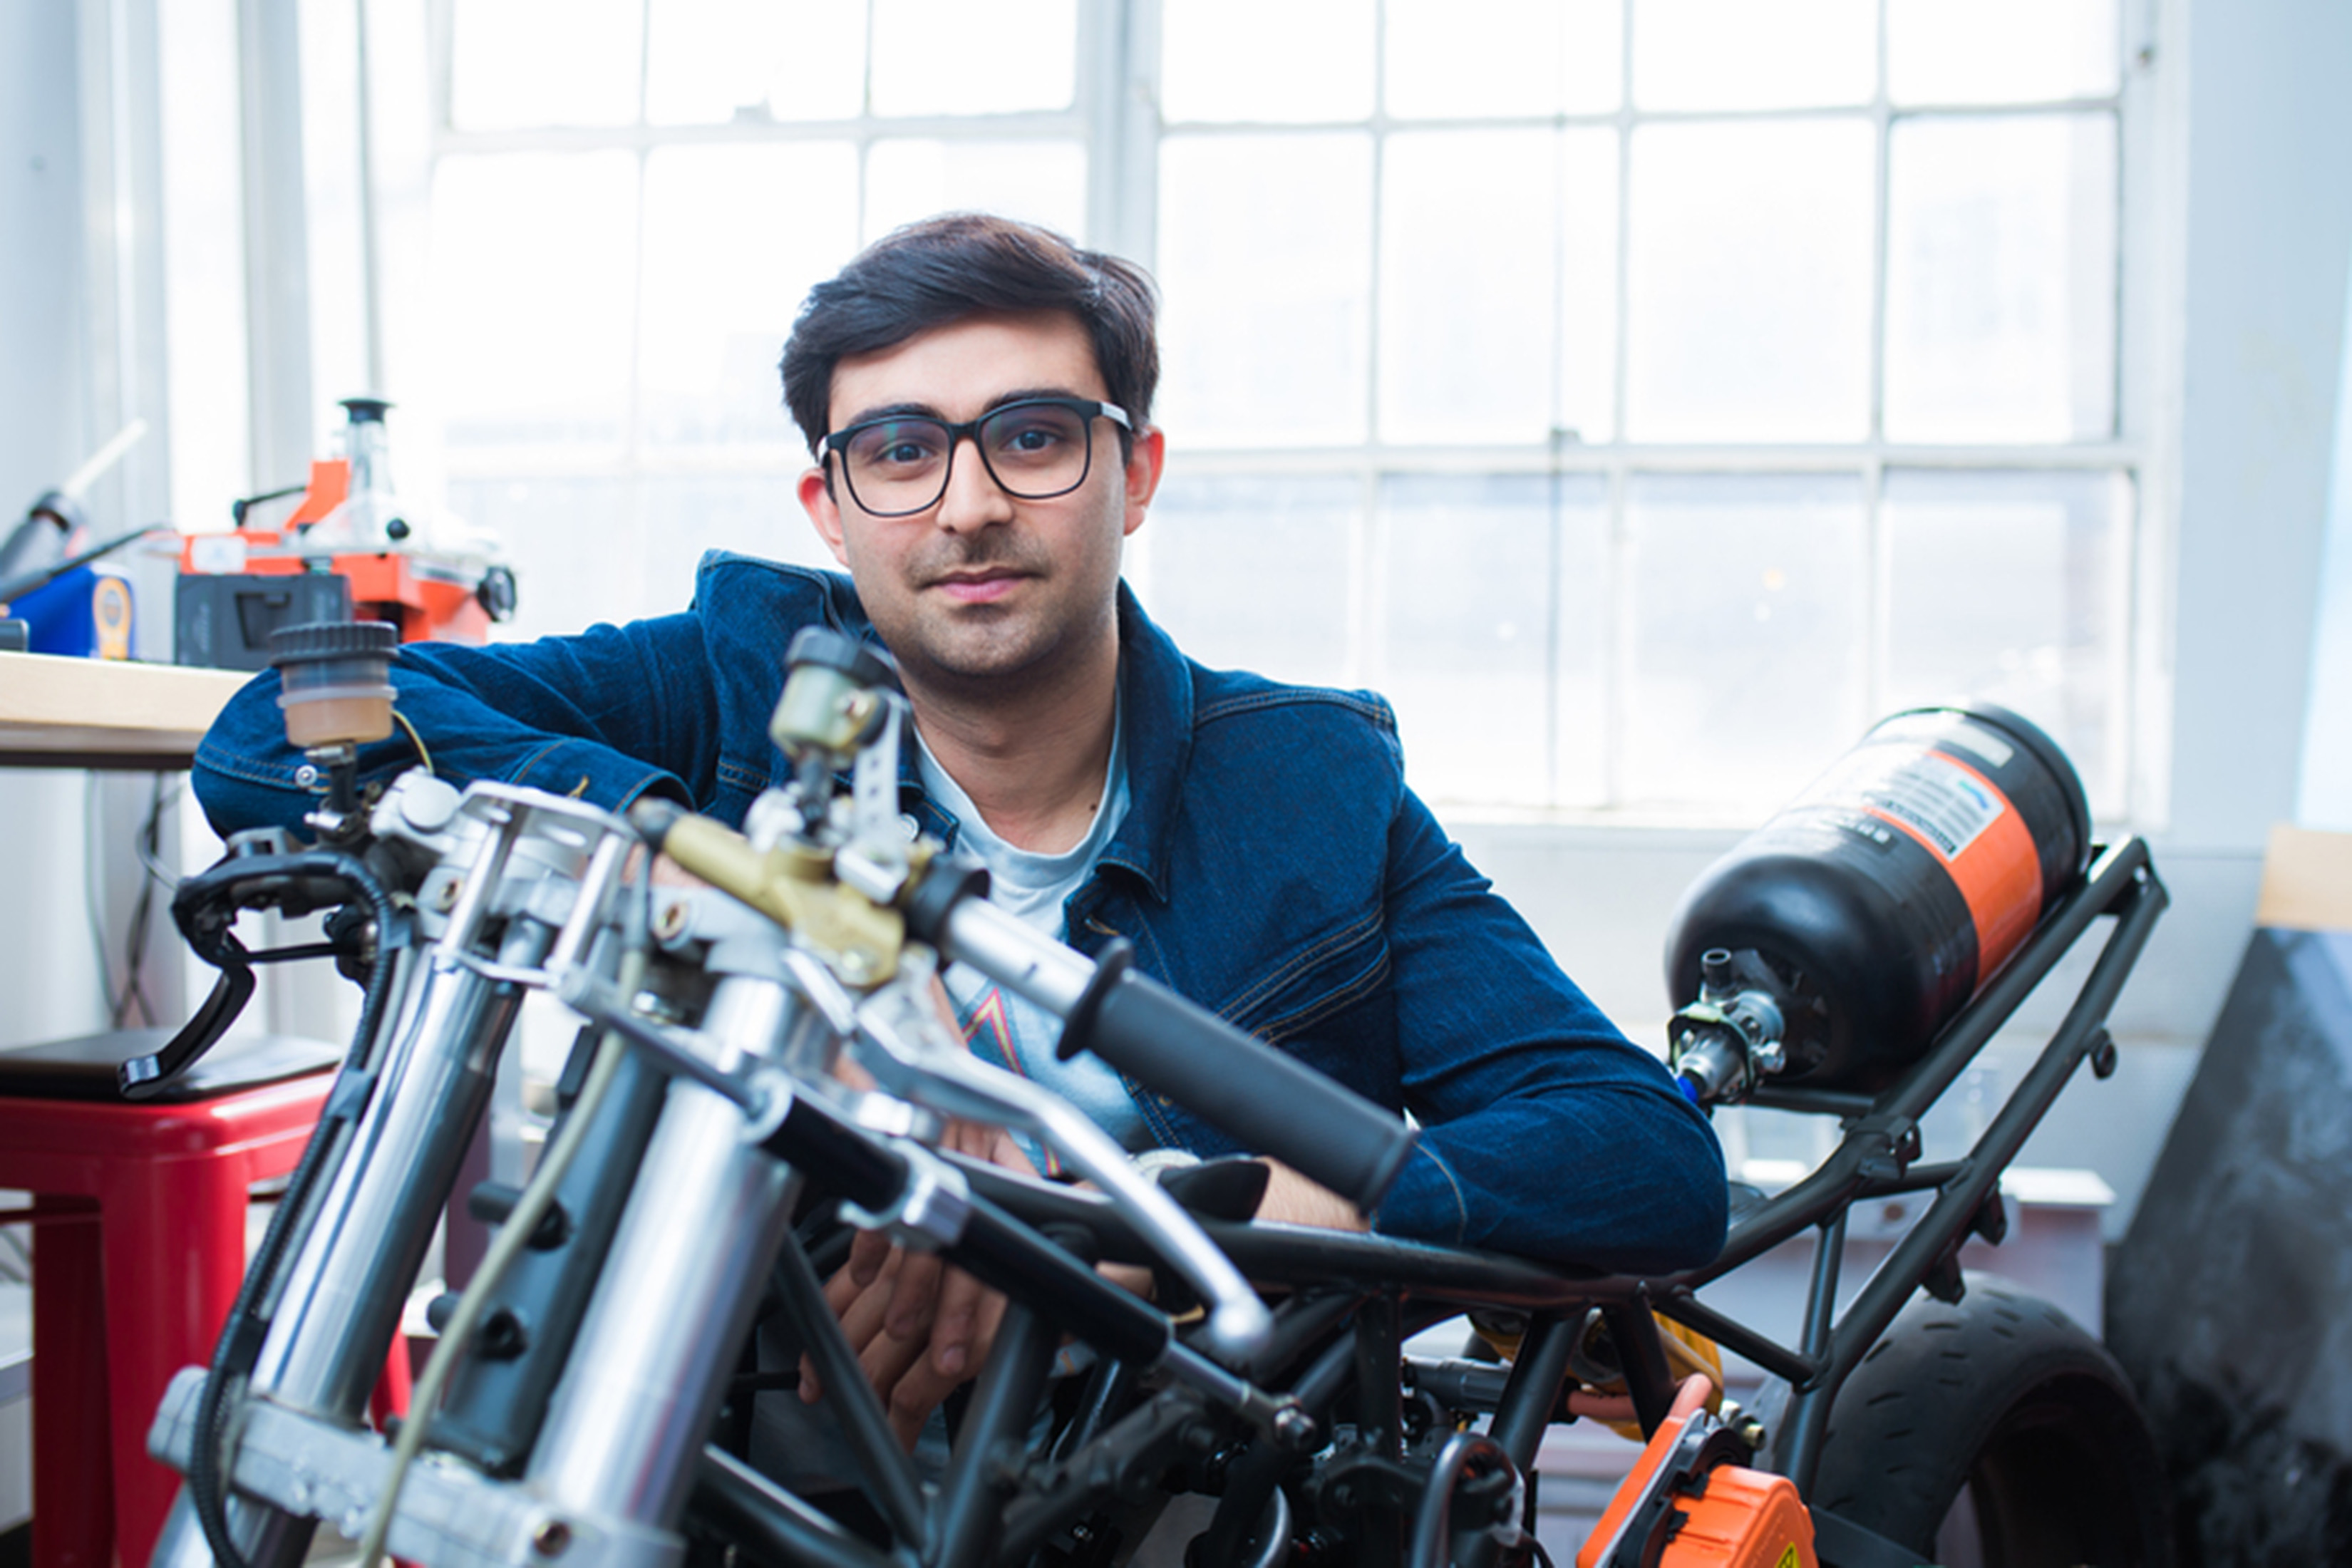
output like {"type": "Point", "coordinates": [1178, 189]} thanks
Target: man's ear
{"type": "Point", "coordinates": [824, 512]}
{"type": "Point", "coordinates": [1143, 465]}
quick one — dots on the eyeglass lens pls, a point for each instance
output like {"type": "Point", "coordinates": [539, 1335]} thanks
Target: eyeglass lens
{"type": "Point", "coordinates": [1034, 450]}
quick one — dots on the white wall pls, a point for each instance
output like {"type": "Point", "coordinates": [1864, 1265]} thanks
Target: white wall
{"type": "Point", "coordinates": [47, 972]}
{"type": "Point", "coordinates": [77, 303]}
{"type": "Point", "coordinates": [2325, 801]}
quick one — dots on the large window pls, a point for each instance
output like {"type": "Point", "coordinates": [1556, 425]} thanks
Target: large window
{"type": "Point", "coordinates": [1644, 394]}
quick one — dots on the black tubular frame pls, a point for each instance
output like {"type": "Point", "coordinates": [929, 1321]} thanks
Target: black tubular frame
{"type": "Point", "coordinates": [1354, 1298]}
{"type": "Point", "coordinates": [1347, 1302]}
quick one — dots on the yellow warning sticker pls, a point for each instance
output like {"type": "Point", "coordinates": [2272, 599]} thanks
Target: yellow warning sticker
{"type": "Point", "coordinates": [1789, 1558]}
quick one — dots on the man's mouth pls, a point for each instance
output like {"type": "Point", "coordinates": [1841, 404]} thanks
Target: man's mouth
{"type": "Point", "coordinates": [981, 586]}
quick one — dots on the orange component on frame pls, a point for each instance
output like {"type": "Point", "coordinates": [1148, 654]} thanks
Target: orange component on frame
{"type": "Point", "coordinates": [1709, 1513]}
{"type": "Point", "coordinates": [1748, 1519]}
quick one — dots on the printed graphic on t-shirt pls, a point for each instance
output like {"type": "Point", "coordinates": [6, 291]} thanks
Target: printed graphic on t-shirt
{"type": "Point", "coordinates": [988, 1031]}
{"type": "Point", "coordinates": [992, 1034]}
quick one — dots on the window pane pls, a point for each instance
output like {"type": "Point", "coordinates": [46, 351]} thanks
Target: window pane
{"type": "Point", "coordinates": [686, 514]}
{"type": "Point", "coordinates": [950, 57]}
{"type": "Point", "coordinates": [1242, 59]}
{"type": "Point", "coordinates": [1738, 54]}
{"type": "Point", "coordinates": [1266, 265]}
{"type": "Point", "coordinates": [2001, 278]}
{"type": "Point", "coordinates": [544, 62]}
{"type": "Point", "coordinates": [1466, 324]}
{"type": "Point", "coordinates": [1745, 659]}
{"type": "Point", "coordinates": [1495, 602]}
{"type": "Point", "coordinates": [1484, 58]}
{"type": "Point", "coordinates": [572, 542]}
{"type": "Point", "coordinates": [709, 62]}
{"type": "Point", "coordinates": [2008, 587]}
{"type": "Point", "coordinates": [203, 282]}
{"type": "Point", "coordinates": [2000, 51]}
{"type": "Point", "coordinates": [1039, 182]}
{"type": "Point", "coordinates": [534, 273]}
{"type": "Point", "coordinates": [1479, 251]}
{"type": "Point", "coordinates": [1750, 281]}
{"type": "Point", "coordinates": [1253, 574]}
{"type": "Point", "coordinates": [735, 236]}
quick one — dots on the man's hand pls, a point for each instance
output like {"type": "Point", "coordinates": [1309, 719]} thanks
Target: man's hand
{"type": "Point", "coordinates": [1292, 1199]}
{"type": "Point", "coordinates": [918, 1326]}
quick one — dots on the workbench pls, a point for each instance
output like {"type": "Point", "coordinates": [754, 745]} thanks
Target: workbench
{"type": "Point", "coordinates": [105, 713]}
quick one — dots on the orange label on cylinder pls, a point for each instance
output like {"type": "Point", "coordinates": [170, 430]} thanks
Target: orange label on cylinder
{"type": "Point", "coordinates": [1963, 819]}
{"type": "Point", "coordinates": [1996, 867]}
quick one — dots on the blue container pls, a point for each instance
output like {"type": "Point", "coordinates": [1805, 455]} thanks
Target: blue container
{"type": "Point", "coordinates": [86, 613]}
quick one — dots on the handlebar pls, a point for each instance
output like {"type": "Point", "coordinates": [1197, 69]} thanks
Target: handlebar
{"type": "Point", "coordinates": [1271, 1102]}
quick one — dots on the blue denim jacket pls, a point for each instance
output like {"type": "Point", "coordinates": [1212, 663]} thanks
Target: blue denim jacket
{"type": "Point", "coordinates": [1272, 867]}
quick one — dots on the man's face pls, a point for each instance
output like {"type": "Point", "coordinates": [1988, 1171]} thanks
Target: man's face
{"type": "Point", "coordinates": [983, 586]}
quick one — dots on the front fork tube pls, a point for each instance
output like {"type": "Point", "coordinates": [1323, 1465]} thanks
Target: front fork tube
{"type": "Point", "coordinates": [339, 1303]}
{"type": "Point", "coordinates": [644, 1378]}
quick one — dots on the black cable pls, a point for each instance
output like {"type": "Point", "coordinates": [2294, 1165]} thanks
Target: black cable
{"type": "Point", "coordinates": [1433, 1521]}
{"type": "Point", "coordinates": [135, 953]}
{"type": "Point", "coordinates": [240, 1340]}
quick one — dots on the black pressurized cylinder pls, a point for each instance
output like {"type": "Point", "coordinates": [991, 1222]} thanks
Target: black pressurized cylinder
{"type": "Point", "coordinates": [1884, 897]}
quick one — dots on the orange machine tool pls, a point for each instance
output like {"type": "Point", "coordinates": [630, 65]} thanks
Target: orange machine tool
{"type": "Point", "coordinates": [419, 569]}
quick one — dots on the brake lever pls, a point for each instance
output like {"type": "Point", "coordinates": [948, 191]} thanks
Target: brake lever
{"type": "Point", "coordinates": [143, 1077]}
{"type": "Point", "coordinates": [909, 1057]}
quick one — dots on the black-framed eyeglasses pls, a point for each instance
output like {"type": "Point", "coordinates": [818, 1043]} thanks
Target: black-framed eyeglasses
{"type": "Point", "coordinates": [1035, 450]}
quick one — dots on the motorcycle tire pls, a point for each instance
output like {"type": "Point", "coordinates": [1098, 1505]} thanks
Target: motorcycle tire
{"type": "Point", "coordinates": [1997, 1433]}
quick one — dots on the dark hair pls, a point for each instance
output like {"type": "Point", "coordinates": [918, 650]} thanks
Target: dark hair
{"type": "Point", "coordinates": [944, 268]}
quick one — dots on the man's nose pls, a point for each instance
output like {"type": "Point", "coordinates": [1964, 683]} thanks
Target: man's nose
{"type": "Point", "coordinates": [973, 500]}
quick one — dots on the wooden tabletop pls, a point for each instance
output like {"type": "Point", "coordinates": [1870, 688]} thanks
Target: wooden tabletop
{"type": "Point", "coordinates": [105, 713]}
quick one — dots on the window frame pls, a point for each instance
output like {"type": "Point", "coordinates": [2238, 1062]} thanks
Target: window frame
{"type": "Point", "coordinates": [1115, 118]}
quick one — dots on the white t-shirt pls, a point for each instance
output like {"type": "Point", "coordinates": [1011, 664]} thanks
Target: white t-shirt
{"type": "Point", "coordinates": [1005, 1028]}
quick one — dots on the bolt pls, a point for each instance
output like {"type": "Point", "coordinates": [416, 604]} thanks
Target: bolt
{"type": "Point", "coordinates": [552, 1538]}
{"type": "Point", "coordinates": [306, 776]}
{"type": "Point", "coordinates": [444, 898]}
{"type": "Point", "coordinates": [1292, 1427]}
{"type": "Point", "coordinates": [670, 924]}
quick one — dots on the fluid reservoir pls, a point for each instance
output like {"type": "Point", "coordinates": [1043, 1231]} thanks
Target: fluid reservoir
{"type": "Point", "coordinates": [1859, 919]}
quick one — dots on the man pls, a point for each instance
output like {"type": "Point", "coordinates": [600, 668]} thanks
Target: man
{"type": "Point", "coordinates": [977, 394]}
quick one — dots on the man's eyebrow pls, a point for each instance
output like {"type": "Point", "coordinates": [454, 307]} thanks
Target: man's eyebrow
{"type": "Point", "coordinates": [930, 411]}
{"type": "Point", "coordinates": [1026, 394]}
{"type": "Point", "coordinates": [892, 411]}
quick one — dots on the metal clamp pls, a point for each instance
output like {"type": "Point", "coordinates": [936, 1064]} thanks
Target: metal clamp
{"type": "Point", "coordinates": [931, 1209]}
{"type": "Point", "coordinates": [449, 1515]}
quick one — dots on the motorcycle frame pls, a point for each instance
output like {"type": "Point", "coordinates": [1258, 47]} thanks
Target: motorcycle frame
{"type": "Point", "coordinates": [1383, 1290]}
{"type": "Point", "coordinates": [1353, 1301]}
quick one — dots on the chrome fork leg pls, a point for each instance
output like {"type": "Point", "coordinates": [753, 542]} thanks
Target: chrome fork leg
{"type": "Point", "coordinates": [340, 1305]}
{"type": "Point", "coordinates": [675, 1299]}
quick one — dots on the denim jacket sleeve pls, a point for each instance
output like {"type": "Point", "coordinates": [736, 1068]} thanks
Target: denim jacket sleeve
{"type": "Point", "coordinates": [1544, 1132]}
{"type": "Point", "coordinates": [605, 716]}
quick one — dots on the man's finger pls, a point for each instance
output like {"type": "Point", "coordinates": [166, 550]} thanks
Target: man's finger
{"type": "Point", "coordinates": [956, 1325]}
{"type": "Point", "coordinates": [915, 1295]}
{"type": "Point", "coordinates": [867, 1252]}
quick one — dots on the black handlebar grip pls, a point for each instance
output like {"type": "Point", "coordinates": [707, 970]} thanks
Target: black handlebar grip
{"type": "Point", "coordinates": [1274, 1104]}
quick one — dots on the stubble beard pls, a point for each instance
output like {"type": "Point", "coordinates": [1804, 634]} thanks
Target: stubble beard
{"type": "Point", "coordinates": [989, 650]}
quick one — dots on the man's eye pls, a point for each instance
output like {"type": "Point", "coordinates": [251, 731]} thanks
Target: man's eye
{"type": "Point", "coordinates": [1030, 439]}
{"type": "Point", "coordinates": [900, 448]}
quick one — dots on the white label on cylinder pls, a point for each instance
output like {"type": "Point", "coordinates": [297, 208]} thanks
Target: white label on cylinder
{"type": "Point", "coordinates": [1946, 804]}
